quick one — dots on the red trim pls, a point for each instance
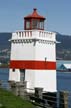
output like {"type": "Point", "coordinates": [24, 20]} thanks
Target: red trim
{"type": "Point", "coordinates": [28, 64]}
{"type": "Point", "coordinates": [34, 15]}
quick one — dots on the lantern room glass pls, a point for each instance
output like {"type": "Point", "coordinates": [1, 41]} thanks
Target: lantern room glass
{"type": "Point", "coordinates": [37, 24]}
{"type": "Point", "coordinates": [28, 24]}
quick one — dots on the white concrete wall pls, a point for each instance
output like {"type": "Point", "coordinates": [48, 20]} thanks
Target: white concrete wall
{"type": "Point", "coordinates": [38, 51]}
{"type": "Point", "coordinates": [44, 50]}
{"type": "Point", "coordinates": [30, 78]}
{"type": "Point", "coordinates": [27, 51]}
{"type": "Point", "coordinates": [42, 78]}
{"type": "Point", "coordinates": [14, 76]}
{"type": "Point", "coordinates": [46, 79]}
{"type": "Point", "coordinates": [37, 78]}
{"type": "Point", "coordinates": [23, 51]}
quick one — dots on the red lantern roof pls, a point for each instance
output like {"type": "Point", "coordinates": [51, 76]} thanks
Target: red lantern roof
{"type": "Point", "coordinates": [34, 15]}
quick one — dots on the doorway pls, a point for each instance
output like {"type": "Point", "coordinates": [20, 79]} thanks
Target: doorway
{"type": "Point", "coordinates": [22, 75]}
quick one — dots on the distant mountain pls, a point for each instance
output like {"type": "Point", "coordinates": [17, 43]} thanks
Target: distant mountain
{"type": "Point", "coordinates": [65, 41]}
{"type": "Point", "coordinates": [4, 43]}
{"type": "Point", "coordinates": [63, 49]}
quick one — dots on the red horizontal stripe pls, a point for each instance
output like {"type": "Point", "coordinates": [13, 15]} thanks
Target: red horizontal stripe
{"type": "Point", "coordinates": [26, 64]}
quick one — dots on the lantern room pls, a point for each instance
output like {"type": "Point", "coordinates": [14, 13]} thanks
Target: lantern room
{"type": "Point", "coordinates": [34, 21]}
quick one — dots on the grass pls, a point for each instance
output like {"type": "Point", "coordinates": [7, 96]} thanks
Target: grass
{"type": "Point", "coordinates": [8, 100]}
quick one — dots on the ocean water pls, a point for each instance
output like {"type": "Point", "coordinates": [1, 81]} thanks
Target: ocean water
{"type": "Point", "coordinates": [63, 78]}
{"type": "Point", "coordinates": [4, 74]}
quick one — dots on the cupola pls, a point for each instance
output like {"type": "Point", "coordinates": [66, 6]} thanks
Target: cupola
{"type": "Point", "coordinates": [34, 21]}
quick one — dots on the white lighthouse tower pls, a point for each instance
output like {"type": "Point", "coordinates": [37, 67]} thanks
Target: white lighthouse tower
{"type": "Point", "coordinates": [33, 54]}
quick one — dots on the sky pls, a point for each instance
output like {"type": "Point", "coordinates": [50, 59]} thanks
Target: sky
{"type": "Point", "coordinates": [57, 13]}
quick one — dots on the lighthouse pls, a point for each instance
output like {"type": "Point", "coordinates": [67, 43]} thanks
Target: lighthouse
{"type": "Point", "coordinates": [33, 54]}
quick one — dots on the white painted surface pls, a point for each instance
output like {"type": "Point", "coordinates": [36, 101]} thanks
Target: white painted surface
{"type": "Point", "coordinates": [30, 78]}
{"type": "Point", "coordinates": [23, 47]}
{"type": "Point", "coordinates": [14, 76]}
{"type": "Point", "coordinates": [42, 78]}
{"type": "Point", "coordinates": [37, 78]}
{"type": "Point", "coordinates": [28, 50]}
{"type": "Point", "coordinates": [46, 79]}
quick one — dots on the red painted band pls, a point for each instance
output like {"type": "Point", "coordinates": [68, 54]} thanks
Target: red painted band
{"type": "Point", "coordinates": [36, 65]}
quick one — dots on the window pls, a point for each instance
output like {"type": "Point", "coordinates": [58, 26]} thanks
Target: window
{"type": "Point", "coordinates": [35, 24]}
{"type": "Point", "coordinates": [27, 24]}
{"type": "Point", "coordinates": [22, 75]}
{"type": "Point", "coordinates": [41, 24]}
